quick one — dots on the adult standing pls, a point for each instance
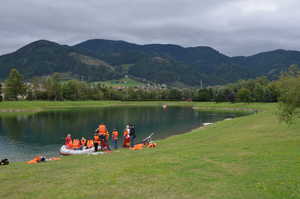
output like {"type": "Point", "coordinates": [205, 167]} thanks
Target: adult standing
{"type": "Point", "coordinates": [132, 135]}
{"type": "Point", "coordinates": [126, 137]}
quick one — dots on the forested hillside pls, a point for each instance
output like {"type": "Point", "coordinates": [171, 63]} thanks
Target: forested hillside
{"type": "Point", "coordinates": [42, 58]}
{"type": "Point", "coordinates": [98, 60]}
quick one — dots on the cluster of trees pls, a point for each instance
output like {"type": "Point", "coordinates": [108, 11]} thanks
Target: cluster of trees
{"type": "Point", "coordinates": [254, 90]}
{"type": "Point", "coordinates": [53, 88]}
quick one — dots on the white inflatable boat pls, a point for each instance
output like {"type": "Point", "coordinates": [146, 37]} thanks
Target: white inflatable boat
{"type": "Point", "coordinates": [65, 151]}
{"type": "Point", "coordinates": [206, 124]}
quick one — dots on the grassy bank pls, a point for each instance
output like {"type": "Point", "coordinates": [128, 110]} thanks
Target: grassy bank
{"type": "Point", "coordinates": [33, 106]}
{"type": "Point", "coordinates": [247, 157]}
{"type": "Point", "coordinates": [36, 106]}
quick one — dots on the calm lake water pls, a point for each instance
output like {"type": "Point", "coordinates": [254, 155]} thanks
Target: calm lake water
{"type": "Point", "coordinates": [23, 137]}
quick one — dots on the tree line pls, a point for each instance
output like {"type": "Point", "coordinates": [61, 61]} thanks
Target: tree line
{"type": "Point", "coordinates": [53, 88]}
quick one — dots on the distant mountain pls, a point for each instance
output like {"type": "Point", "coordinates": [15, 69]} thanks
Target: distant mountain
{"type": "Point", "coordinates": [44, 57]}
{"type": "Point", "coordinates": [98, 59]}
{"type": "Point", "coordinates": [268, 63]}
{"type": "Point", "coordinates": [121, 52]}
{"type": "Point", "coordinates": [166, 63]}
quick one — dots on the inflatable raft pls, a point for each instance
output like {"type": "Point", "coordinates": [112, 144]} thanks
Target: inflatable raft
{"type": "Point", "coordinates": [206, 124]}
{"type": "Point", "coordinates": [66, 151]}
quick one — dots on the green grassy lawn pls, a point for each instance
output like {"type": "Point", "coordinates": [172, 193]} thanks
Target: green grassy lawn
{"type": "Point", "coordinates": [41, 105]}
{"type": "Point", "coordinates": [13, 108]}
{"type": "Point", "coordinates": [244, 158]}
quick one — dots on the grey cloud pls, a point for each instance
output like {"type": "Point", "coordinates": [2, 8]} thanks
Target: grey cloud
{"type": "Point", "coordinates": [234, 27]}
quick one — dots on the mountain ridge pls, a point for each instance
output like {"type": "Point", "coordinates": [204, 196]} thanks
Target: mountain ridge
{"type": "Point", "coordinates": [100, 59]}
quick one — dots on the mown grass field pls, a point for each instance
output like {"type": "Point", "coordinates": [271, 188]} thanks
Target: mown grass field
{"type": "Point", "coordinates": [32, 106]}
{"type": "Point", "coordinates": [124, 82]}
{"type": "Point", "coordinates": [244, 158]}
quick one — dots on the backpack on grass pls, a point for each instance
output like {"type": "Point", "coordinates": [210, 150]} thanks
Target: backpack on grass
{"type": "Point", "coordinates": [4, 162]}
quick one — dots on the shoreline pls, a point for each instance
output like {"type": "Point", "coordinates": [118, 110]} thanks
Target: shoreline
{"type": "Point", "coordinates": [38, 106]}
{"type": "Point", "coordinates": [189, 130]}
{"type": "Point", "coordinates": [201, 127]}
{"type": "Point", "coordinates": [248, 157]}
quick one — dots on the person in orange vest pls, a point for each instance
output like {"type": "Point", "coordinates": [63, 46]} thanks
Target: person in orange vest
{"type": "Point", "coordinates": [96, 141]}
{"type": "Point", "coordinates": [76, 144]}
{"type": "Point", "coordinates": [90, 144]}
{"type": "Point", "coordinates": [126, 137]}
{"type": "Point", "coordinates": [115, 136]}
{"type": "Point", "coordinates": [104, 142]}
{"type": "Point", "coordinates": [104, 136]}
{"type": "Point", "coordinates": [102, 129]}
{"type": "Point", "coordinates": [83, 142]}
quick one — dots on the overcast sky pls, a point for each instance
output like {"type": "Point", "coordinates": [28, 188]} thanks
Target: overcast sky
{"type": "Point", "coordinates": [234, 27]}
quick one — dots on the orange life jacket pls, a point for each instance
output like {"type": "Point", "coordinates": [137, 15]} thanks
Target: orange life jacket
{"type": "Point", "coordinates": [70, 145]}
{"type": "Point", "coordinates": [32, 162]}
{"type": "Point", "coordinates": [125, 133]}
{"type": "Point", "coordinates": [97, 139]}
{"type": "Point", "coordinates": [83, 142]}
{"type": "Point", "coordinates": [152, 145]}
{"type": "Point", "coordinates": [137, 147]}
{"type": "Point", "coordinates": [76, 144]}
{"type": "Point", "coordinates": [115, 135]}
{"type": "Point", "coordinates": [102, 129]}
{"type": "Point", "coordinates": [54, 158]}
{"type": "Point", "coordinates": [90, 143]}
{"type": "Point", "coordinates": [35, 160]}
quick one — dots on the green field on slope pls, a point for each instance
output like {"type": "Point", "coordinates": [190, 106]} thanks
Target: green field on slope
{"type": "Point", "coordinates": [124, 82]}
{"type": "Point", "coordinates": [245, 158]}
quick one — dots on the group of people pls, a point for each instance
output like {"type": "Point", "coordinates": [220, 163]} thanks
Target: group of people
{"type": "Point", "coordinates": [101, 139]}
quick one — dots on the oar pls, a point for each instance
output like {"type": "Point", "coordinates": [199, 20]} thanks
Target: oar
{"type": "Point", "coordinates": [148, 138]}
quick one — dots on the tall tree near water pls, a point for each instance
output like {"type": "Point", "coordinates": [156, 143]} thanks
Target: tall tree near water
{"type": "Point", "coordinates": [53, 87]}
{"type": "Point", "coordinates": [289, 94]}
{"type": "Point", "coordinates": [14, 85]}
{"type": "Point", "coordinates": [1, 92]}
{"type": "Point", "coordinates": [244, 95]}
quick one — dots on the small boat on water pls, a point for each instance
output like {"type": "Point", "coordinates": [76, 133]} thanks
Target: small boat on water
{"type": "Point", "coordinates": [206, 124]}
{"type": "Point", "coordinates": [165, 106]}
{"type": "Point", "coordinates": [64, 150]}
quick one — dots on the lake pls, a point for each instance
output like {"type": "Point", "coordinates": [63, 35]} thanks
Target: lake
{"type": "Point", "coordinates": [25, 136]}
